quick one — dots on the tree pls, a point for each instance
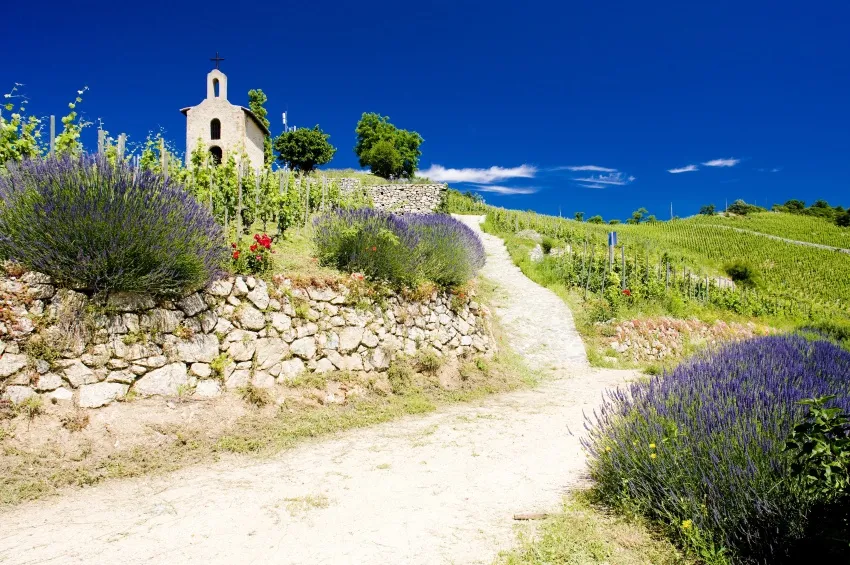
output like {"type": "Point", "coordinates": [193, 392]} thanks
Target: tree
{"type": "Point", "coordinates": [385, 160]}
{"type": "Point", "coordinates": [637, 216]}
{"type": "Point", "coordinates": [579, 216]}
{"type": "Point", "coordinates": [595, 220]}
{"type": "Point", "coordinates": [303, 149]}
{"type": "Point", "coordinates": [256, 102]}
{"type": "Point", "coordinates": [613, 222]}
{"type": "Point", "coordinates": [794, 205]}
{"type": "Point", "coordinates": [708, 210]}
{"type": "Point", "coordinates": [741, 208]}
{"type": "Point", "coordinates": [374, 134]}
{"type": "Point", "coordinates": [843, 219]}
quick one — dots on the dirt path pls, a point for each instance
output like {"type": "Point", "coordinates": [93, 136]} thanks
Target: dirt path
{"type": "Point", "coordinates": [438, 489]}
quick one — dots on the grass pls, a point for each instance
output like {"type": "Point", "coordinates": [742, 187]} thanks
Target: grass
{"type": "Point", "coordinates": [584, 534]}
{"type": "Point", "coordinates": [367, 178]}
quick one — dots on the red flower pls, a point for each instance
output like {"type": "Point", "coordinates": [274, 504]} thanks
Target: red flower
{"type": "Point", "coordinates": [374, 248]}
{"type": "Point", "coordinates": [259, 257]}
{"type": "Point", "coordinates": [253, 248]}
{"type": "Point", "coordinates": [236, 254]}
{"type": "Point", "coordinates": [627, 292]}
{"type": "Point", "coordinates": [233, 245]}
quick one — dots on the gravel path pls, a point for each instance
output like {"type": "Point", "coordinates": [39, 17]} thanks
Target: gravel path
{"type": "Point", "coordinates": [440, 488]}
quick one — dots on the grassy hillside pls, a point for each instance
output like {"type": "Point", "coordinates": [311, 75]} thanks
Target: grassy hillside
{"type": "Point", "coordinates": [806, 276]}
{"type": "Point", "coordinates": [791, 226]}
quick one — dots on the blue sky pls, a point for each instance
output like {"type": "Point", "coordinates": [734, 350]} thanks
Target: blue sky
{"type": "Point", "coordinates": [550, 106]}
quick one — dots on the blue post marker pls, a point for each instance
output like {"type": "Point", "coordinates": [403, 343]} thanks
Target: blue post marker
{"type": "Point", "coordinates": [612, 242]}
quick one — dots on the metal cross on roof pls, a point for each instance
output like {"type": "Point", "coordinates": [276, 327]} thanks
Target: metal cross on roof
{"type": "Point", "coordinates": [217, 59]}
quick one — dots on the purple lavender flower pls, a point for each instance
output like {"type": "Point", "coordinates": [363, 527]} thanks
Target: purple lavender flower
{"type": "Point", "coordinates": [400, 249]}
{"type": "Point", "coordinates": [718, 424]}
{"type": "Point", "coordinates": [97, 226]}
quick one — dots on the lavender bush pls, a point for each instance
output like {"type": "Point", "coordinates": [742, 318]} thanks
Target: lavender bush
{"type": "Point", "coordinates": [701, 449]}
{"type": "Point", "coordinates": [402, 250]}
{"type": "Point", "coordinates": [96, 226]}
{"type": "Point", "coordinates": [448, 251]}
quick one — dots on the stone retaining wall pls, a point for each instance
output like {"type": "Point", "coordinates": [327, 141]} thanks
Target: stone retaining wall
{"type": "Point", "coordinates": [68, 347]}
{"type": "Point", "coordinates": [402, 198]}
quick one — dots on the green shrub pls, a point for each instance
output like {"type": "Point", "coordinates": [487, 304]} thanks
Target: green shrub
{"type": "Point", "coordinates": [820, 451]}
{"type": "Point", "coordinates": [742, 273]}
{"type": "Point", "coordinates": [400, 375]}
{"type": "Point", "coordinates": [547, 244]}
{"type": "Point", "coordinates": [428, 362]}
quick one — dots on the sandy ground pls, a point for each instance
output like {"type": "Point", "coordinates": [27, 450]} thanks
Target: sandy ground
{"type": "Point", "coordinates": [440, 488]}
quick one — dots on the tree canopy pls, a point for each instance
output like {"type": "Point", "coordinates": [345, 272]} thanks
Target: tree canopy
{"type": "Point", "coordinates": [256, 103]}
{"type": "Point", "coordinates": [638, 216]}
{"type": "Point", "coordinates": [303, 149]}
{"type": "Point", "coordinates": [388, 151]}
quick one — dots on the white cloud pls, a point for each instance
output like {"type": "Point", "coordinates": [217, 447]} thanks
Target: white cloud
{"type": "Point", "coordinates": [686, 169]}
{"type": "Point", "coordinates": [439, 173]}
{"type": "Point", "coordinates": [722, 162]}
{"type": "Point", "coordinates": [593, 168]}
{"type": "Point", "coordinates": [506, 189]}
{"type": "Point", "coordinates": [593, 185]}
{"type": "Point", "coordinates": [773, 170]}
{"type": "Point", "coordinates": [616, 179]}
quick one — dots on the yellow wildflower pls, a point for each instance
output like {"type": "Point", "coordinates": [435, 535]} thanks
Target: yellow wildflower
{"type": "Point", "coordinates": [686, 525]}
{"type": "Point", "coordinates": [652, 446]}
{"type": "Point", "coordinates": [652, 456]}
{"type": "Point", "coordinates": [608, 449]}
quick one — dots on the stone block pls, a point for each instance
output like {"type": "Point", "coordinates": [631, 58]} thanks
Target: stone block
{"type": "Point", "coordinates": [130, 301]}
{"type": "Point", "coordinates": [163, 381]}
{"type": "Point", "coordinates": [100, 394]}
{"type": "Point", "coordinates": [192, 304]}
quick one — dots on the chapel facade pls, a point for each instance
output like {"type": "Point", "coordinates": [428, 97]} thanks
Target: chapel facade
{"type": "Point", "coordinates": [224, 128]}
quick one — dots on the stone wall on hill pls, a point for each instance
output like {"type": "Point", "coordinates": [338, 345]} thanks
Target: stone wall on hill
{"type": "Point", "coordinates": [401, 198]}
{"type": "Point", "coordinates": [66, 346]}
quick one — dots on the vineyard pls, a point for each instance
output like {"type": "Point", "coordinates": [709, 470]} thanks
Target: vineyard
{"type": "Point", "coordinates": [686, 259]}
{"type": "Point", "coordinates": [240, 197]}
{"type": "Point", "coordinates": [791, 226]}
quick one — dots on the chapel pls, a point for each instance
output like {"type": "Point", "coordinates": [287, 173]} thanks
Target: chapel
{"type": "Point", "coordinates": [224, 128]}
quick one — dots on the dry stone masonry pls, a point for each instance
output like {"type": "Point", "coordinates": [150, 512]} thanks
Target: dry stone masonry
{"type": "Point", "coordinates": [400, 198]}
{"type": "Point", "coordinates": [66, 346]}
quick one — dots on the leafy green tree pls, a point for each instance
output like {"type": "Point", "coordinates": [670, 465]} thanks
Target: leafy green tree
{"type": "Point", "coordinates": [794, 205]}
{"type": "Point", "coordinates": [579, 216]}
{"type": "Point", "coordinates": [637, 216]}
{"type": "Point", "coordinates": [708, 210]}
{"type": "Point", "coordinates": [303, 149]}
{"type": "Point", "coordinates": [374, 134]}
{"type": "Point", "coordinates": [595, 220]}
{"type": "Point", "coordinates": [741, 208]}
{"type": "Point", "coordinates": [843, 219]}
{"type": "Point", "coordinates": [385, 160]}
{"type": "Point", "coordinates": [613, 222]}
{"type": "Point", "coordinates": [256, 102]}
